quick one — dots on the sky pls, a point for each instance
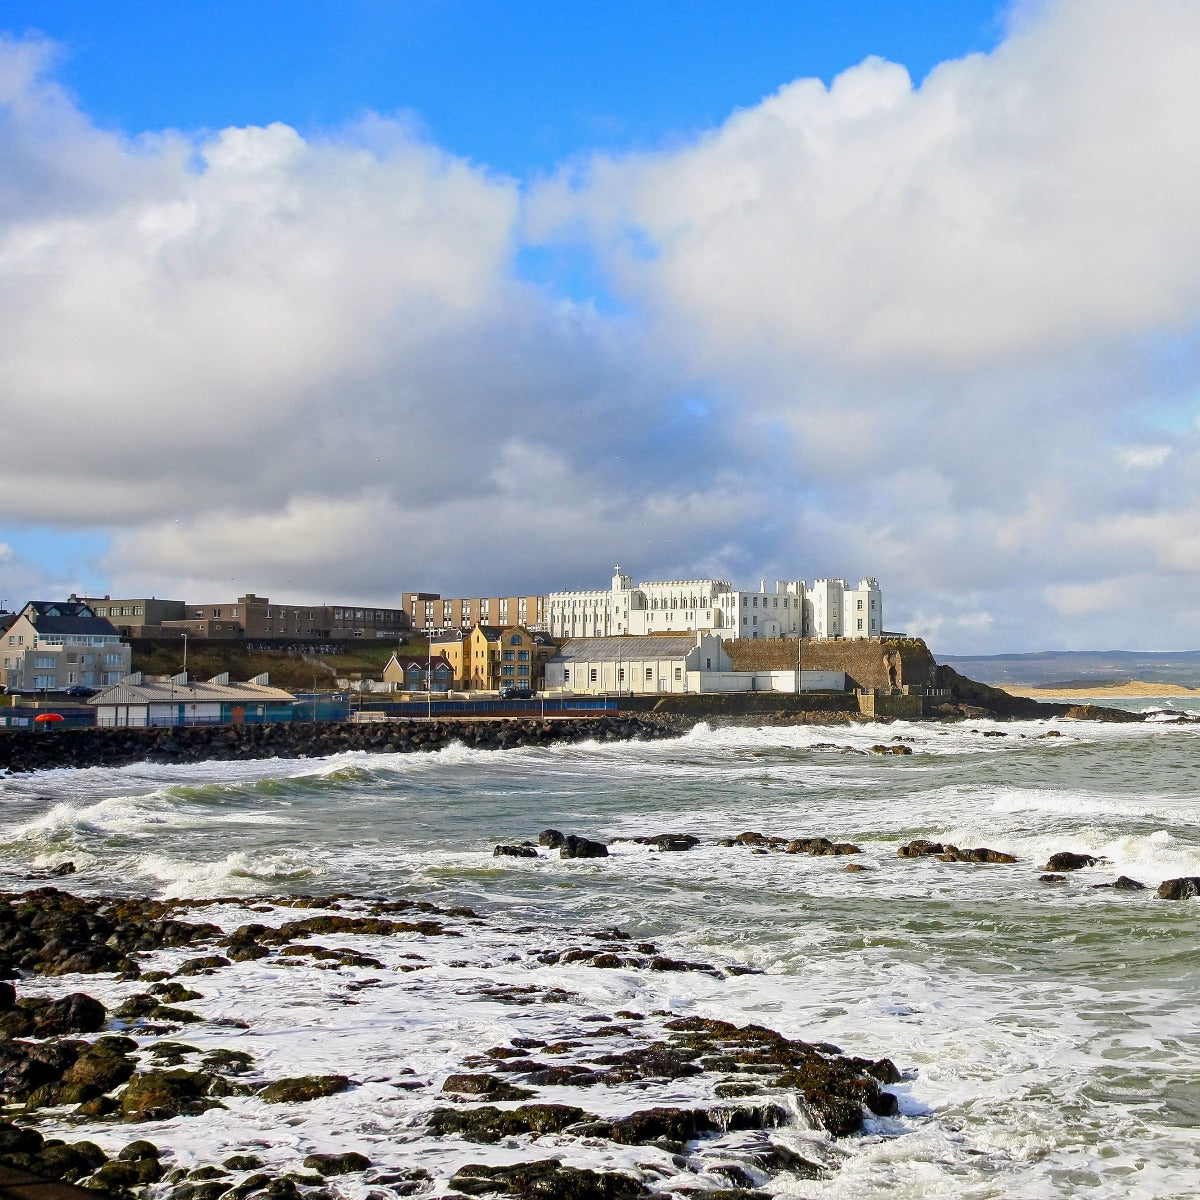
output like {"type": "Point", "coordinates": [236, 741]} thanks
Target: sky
{"type": "Point", "coordinates": [330, 301]}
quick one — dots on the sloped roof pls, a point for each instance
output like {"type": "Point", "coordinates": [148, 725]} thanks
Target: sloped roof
{"type": "Point", "coordinates": [630, 648]}
{"type": "Point", "coordinates": [161, 690]}
{"type": "Point", "coordinates": [49, 616]}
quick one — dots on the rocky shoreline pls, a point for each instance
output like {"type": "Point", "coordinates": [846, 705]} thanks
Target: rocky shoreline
{"type": "Point", "coordinates": [162, 1047]}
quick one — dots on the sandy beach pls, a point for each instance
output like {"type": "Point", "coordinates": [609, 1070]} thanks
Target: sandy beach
{"type": "Point", "coordinates": [1134, 690]}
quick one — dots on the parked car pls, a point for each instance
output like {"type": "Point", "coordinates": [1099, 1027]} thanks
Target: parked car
{"type": "Point", "coordinates": [79, 689]}
{"type": "Point", "coordinates": [516, 691]}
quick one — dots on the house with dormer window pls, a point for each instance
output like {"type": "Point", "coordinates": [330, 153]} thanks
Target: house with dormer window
{"type": "Point", "coordinates": [52, 646]}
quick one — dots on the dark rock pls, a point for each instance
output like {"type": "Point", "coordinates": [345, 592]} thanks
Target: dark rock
{"type": "Point", "coordinates": [467, 1084]}
{"type": "Point", "coordinates": [160, 1095]}
{"type": "Point", "coordinates": [1183, 888]}
{"type": "Point", "coordinates": [1052, 878]}
{"type": "Point", "coordinates": [490, 1124]}
{"type": "Point", "coordinates": [580, 847]}
{"type": "Point", "coordinates": [981, 854]}
{"type": "Point", "coordinates": [547, 1179]}
{"type": "Point", "coordinates": [337, 1164]}
{"type": "Point", "coordinates": [1066, 860]}
{"type": "Point", "coordinates": [552, 839]}
{"type": "Point", "coordinates": [1122, 883]}
{"type": "Point", "coordinates": [303, 1087]}
{"type": "Point", "coordinates": [522, 851]}
{"type": "Point", "coordinates": [920, 848]}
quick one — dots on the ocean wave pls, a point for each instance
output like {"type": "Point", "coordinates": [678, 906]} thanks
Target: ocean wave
{"type": "Point", "coordinates": [239, 873]}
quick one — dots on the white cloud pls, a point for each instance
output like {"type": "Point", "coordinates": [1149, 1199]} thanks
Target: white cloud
{"type": "Point", "coordinates": [926, 333]}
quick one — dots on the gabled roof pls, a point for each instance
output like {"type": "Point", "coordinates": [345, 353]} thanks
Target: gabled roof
{"type": "Point", "coordinates": [419, 661]}
{"type": "Point", "coordinates": [630, 648]}
{"type": "Point", "coordinates": [68, 616]}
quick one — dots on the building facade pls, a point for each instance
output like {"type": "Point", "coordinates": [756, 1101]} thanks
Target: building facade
{"type": "Point", "coordinates": [430, 612]}
{"type": "Point", "coordinates": [637, 664]}
{"type": "Point", "coordinates": [130, 617]}
{"type": "Point", "coordinates": [827, 609]}
{"type": "Point", "coordinates": [142, 701]}
{"type": "Point", "coordinates": [51, 646]}
{"type": "Point", "coordinates": [488, 658]}
{"type": "Point", "coordinates": [257, 617]}
{"type": "Point", "coordinates": [415, 674]}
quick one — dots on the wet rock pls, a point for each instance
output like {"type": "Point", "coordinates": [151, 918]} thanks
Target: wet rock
{"type": "Point", "coordinates": [1122, 883]}
{"type": "Point", "coordinates": [1052, 878]}
{"type": "Point", "coordinates": [524, 850]}
{"type": "Point", "coordinates": [206, 964]}
{"type": "Point", "coordinates": [547, 1179]}
{"type": "Point", "coordinates": [303, 1087]}
{"type": "Point", "coordinates": [489, 1124]}
{"type": "Point", "coordinates": [552, 839]}
{"type": "Point", "coordinates": [1183, 888]}
{"type": "Point", "coordinates": [1067, 860]}
{"type": "Point", "coordinates": [820, 846]}
{"type": "Point", "coordinates": [667, 842]}
{"type": "Point", "coordinates": [337, 1164]}
{"type": "Point", "coordinates": [920, 848]}
{"type": "Point", "coordinates": [482, 1084]}
{"type": "Point", "coordinates": [581, 847]}
{"type": "Point", "coordinates": [160, 1095]}
{"type": "Point", "coordinates": [980, 854]}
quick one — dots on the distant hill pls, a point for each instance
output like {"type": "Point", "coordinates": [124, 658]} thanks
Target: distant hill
{"type": "Point", "coordinates": [1078, 668]}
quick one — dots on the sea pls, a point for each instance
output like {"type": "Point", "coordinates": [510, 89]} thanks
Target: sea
{"type": "Point", "coordinates": [1047, 1033]}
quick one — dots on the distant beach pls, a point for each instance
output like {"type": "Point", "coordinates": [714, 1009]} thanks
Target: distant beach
{"type": "Point", "coordinates": [1136, 689]}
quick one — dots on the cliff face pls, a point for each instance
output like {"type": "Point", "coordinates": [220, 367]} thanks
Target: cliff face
{"type": "Point", "coordinates": [898, 663]}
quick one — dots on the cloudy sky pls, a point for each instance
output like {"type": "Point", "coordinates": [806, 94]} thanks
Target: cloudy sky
{"type": "Point", "coordinates": [330, 300]}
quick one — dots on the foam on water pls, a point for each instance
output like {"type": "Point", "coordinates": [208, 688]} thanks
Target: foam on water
{"type": "Point", "coordinates": [1047, 1032]}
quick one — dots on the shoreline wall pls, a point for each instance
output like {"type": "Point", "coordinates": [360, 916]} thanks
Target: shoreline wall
{"type": "Point", "coordinates": [27, 750]}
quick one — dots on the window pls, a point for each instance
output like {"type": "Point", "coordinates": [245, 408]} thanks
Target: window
{"type": "Point", "coordinates": [522, 656]}
{"type": "Point", "coordinates": [860, 604]}
{"type": "Point", "coordinates": [508, 656]}
{"type": "Point", "coordinates": [620, 672]}
{"type": "Point", "coordinates": [649, 672]}
{"type": "Point", "coordinates": [516, 640]}
{"type": "Point", "coordinates": [678, 673]}
{"type": "Point", "coordinates": [592, 675]}
{"type": "Point", "coordinates": [523, 670]}
{"type": "Point", "coordinates": [860, 622]}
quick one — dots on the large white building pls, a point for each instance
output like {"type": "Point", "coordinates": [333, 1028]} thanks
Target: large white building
{"type": "Point", "coordinates": [828, 609]}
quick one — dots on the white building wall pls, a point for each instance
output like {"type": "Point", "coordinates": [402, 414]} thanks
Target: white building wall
{"type": "Point", "coordinates": [827, 609]}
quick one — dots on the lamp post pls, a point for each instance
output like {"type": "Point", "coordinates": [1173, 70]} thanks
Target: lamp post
{"type": "Point", "coordinates": [429, 680]}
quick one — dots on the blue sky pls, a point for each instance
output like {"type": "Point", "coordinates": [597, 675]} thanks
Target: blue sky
{"type": "Point", "coordinates": [330, 301]}
{"type": "Point", "coordinates": [517, 87]}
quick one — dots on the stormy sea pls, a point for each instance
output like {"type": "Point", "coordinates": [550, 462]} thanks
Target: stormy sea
{"type": "Point", "coordinates": [1039, 1029]}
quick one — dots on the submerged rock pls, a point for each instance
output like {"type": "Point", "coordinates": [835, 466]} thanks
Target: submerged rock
{"type": "Point", "coordinates": [1122, 883]}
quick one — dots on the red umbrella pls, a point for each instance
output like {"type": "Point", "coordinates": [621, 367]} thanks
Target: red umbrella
{"type": "Point", "coordinates": [47, 717]}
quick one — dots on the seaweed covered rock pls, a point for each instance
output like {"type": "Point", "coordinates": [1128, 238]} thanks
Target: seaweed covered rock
{"type": "Point", "coordinates": [160, 1095]}
{"type": "Point", "coordinates": [491, 1124]}
{"type": "Point", "coordinates": [303, 1088]}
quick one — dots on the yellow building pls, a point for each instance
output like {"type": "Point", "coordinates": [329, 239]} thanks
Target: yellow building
{"type": "Point", "coordinates": [489, 658]}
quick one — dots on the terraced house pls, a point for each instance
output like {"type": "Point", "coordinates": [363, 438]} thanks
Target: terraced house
{"type": "Point", "coordinates": [51, 646]}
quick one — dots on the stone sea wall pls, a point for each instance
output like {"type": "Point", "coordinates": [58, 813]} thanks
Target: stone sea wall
{"type": "Point", "coordinates": [26, 750]}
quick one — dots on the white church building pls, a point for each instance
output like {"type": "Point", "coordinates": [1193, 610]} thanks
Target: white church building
{"type": "Point", "coordinates": [828, 609]}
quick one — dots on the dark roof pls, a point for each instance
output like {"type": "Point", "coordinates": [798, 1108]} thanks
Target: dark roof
{"type": "Point", "coordinates": [49, 616]}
